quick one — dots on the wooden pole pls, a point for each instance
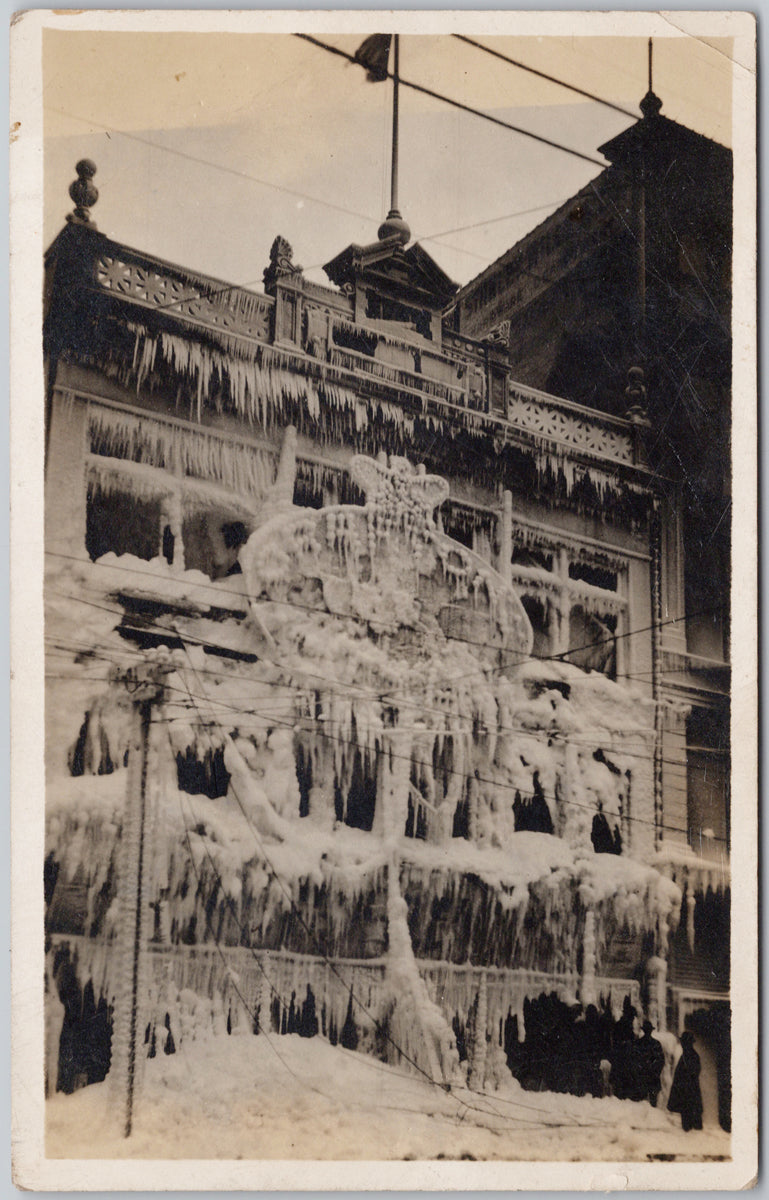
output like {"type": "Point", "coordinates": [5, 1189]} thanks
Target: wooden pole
{"type": "Point", "coordinates": [130, 951]}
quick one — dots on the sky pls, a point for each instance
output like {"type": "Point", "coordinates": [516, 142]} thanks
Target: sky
{"type": "Point", "coordinates": [208, 145]}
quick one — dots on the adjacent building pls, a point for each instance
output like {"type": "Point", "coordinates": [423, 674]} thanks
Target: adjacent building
{"type": "Point", "coordinates": [634, 274]}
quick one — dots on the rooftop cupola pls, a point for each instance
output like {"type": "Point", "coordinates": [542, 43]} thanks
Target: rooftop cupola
{"type": "Point", "coordinates": [399, 290]}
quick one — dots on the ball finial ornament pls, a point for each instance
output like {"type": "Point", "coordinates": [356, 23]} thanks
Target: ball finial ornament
{"type": "Point", "coordinates": [84, 192]}
{"type": "Point", "coordinates": [394, 224]}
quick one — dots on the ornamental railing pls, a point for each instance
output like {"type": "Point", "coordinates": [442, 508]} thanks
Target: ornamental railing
{"type": "Point", "coordinates": [457, 375]}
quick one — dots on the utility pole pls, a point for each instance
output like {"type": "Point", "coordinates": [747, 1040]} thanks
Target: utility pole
{"type": "Point", "coordinates": [145, 688]}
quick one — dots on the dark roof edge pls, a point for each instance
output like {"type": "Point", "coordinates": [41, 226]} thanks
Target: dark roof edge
{"type": "Point", "coordinates": [682, 131]}
{"type": "Point", "coordinates": [527, 236]}
{"type": "Point", "coordinates": [625, 135]}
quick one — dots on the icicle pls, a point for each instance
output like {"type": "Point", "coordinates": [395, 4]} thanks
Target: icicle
{"type": "Point", "coordinates": [478, 1047]}
{"type": "Point", "coordinates": [587, 990]}
{"type": "Point", "coordinates": [160, 443]}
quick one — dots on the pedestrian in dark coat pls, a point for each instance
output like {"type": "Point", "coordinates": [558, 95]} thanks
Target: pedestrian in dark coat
{"type": "Point", "coordinates": [650, 1059]}
{"type": "Point", "coordinates": [685, 1095]}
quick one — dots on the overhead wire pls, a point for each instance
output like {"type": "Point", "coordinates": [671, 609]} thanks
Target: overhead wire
{"type": "Point", "coordinates": [626, 112]}
{"type": "Point", "coordinates": [349, 687]}
{"type": "Point", "coordinates": [448, 100]}
{"type": "Point", "coordinates": [476, 112]}
{"type": "Point", "coordinates": [498, 784]}
{"type": "Point", "coordinates": [481, 672]}
{"type": "Point", "coordinates": [183, 154]}
{"type": "Point", "coordinates": [220, 290]}
{"type": "Point", "coordinates": [583, 739]}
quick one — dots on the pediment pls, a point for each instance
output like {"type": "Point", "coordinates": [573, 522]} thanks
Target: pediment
{"type": "Point", "coordinates": [410, 273]}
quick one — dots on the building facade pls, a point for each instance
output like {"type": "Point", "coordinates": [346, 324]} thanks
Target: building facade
{"type": "Point", "coordinates": [403, 766]}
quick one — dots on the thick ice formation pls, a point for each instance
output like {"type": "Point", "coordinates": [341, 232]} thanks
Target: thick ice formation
{"type": "Point", "coordinates": [374, 791]}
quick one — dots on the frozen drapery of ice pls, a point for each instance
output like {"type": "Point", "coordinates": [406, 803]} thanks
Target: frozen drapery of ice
{"type": "Point", "coordinates": [268, 387]}
{"type": "Point", "coordinates": [395, 770]}
{"type": "Point", "coordinates": [113, 475]}
{"type": "Point", "coordinates": [182, 449]}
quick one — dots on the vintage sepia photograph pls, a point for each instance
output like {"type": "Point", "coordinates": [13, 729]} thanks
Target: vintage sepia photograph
{"type": "Point", "coordinates": [393, 398]}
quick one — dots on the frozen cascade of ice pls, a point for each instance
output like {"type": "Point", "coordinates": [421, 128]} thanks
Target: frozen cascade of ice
{"type": "Point", "coordinates": [380, 753]}
{"type": "Point", "coordinates": [270, 387]}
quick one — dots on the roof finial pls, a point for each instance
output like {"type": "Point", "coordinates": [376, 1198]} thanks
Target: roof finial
{"type": "Point", "coordinates": [84, 192]}
{"type": "Point", "coordinates": [651, 104]}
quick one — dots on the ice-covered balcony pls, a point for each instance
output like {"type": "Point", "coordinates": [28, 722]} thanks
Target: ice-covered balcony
{"type": "Point", "coordinates": [242, 350]}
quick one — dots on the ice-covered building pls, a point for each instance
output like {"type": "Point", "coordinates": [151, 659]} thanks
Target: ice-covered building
{"type": "Point", "coordinates": [403, 771]}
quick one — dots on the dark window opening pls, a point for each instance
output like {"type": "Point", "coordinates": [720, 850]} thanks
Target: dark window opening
{"type": "Point", "coordinates": [457, 528]}
{"type": "Point", "coordinates": [202, 777]}
{"type": "Point", "coordinates": [461, 826]}
{"type": "Point", "coordinates": [358, 812]}
{"type": "Point", "coordinates": [536, 611]}
{"type": "Point", "coordinates": [531, 813]}
{"type": "Point", "coordinates": [443, 762]}
{"type": "Point", "coordinates": [708, 801]}
{"type": "Point", "coordinates": [416, 822]}
{"type": "Point", "coordinates": [50, 875]}
{"type": "Point", "coordinates": [85, 1043]}
{"type": "Point", "coordinates": [355, 339]}
{"type": "Point", "coordinates": [461, 1039]}
{"type": "Point", "coordinates": [532, 557]}
{"type": "Point", "coordinates": [708, 727]}
{"type": "Point", "coordinates": [212, 542]}
{"type": "Point", "coordinates": [498, 391]}
{"type": "Point", "coordinates": [122, 524]}
{"type": "Point", "coordinates": [317, 489]}
{"type": "Point", "coordinates": [306, 494]}
{"type": "Point", "coordinates": [234, 534]}
{"type": "Point", "coordinates": [383, 308]}
{"type": "Point", "coordinates": [605, 839]}
{"type": "Point", "coordinates": [168, 544]}
{"type": "Point", "coordinates": [596, 576]}
{"type": "Point", "coordinates": [708, 762]}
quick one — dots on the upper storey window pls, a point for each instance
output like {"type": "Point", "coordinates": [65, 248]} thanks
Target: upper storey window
{"type": "Point", "coordinates": [384, 308]}
{"type": "Point", "coordinates": [576, 601]}
{"type": "Point", "coordinates": [158, 487]}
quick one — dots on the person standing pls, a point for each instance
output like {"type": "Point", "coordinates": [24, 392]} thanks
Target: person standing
{"type": "Point", "coordinates": [650, 1059]}
{"type": "Point", "coordinates": [685, 1095]}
